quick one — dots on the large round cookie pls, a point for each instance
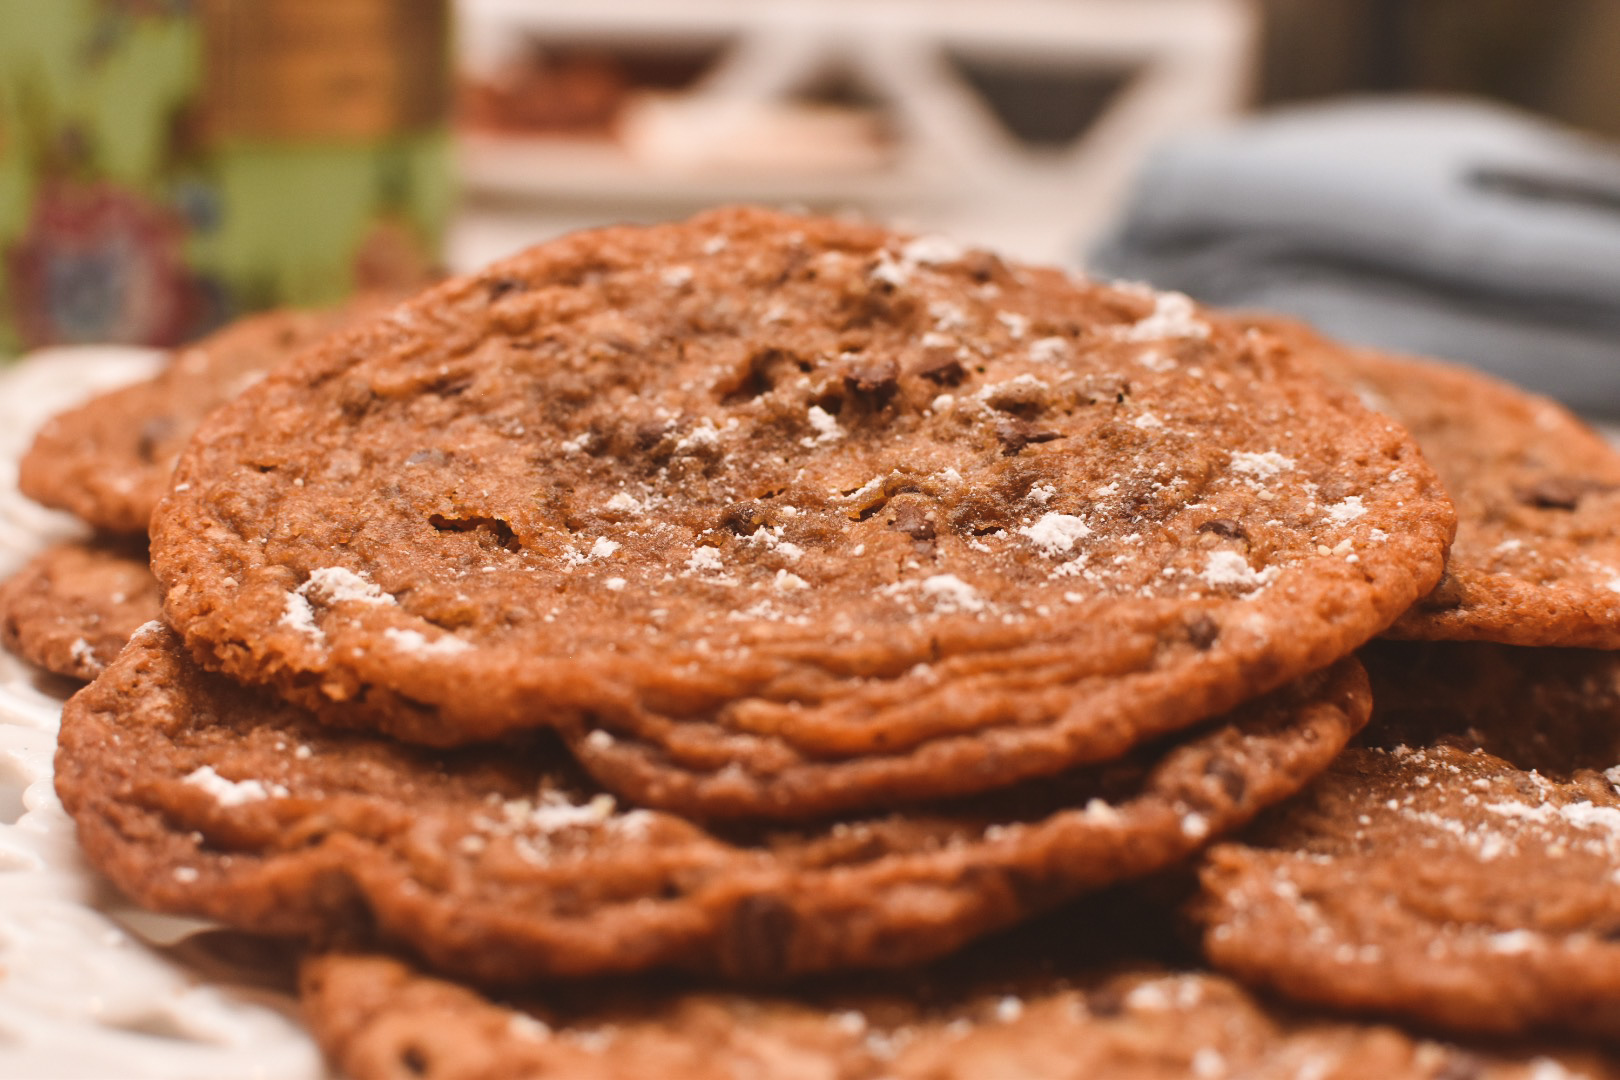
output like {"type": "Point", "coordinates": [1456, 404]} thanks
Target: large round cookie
{"type": "Point", "coordinates": [1030, 1010]}
{"type": "Point", "coordinates": [798, 514]}
{"type": "Point", "coordinates": [1463, 869]}
{"type": "Point", "coordinates": [197, 796]}
{"type": "Point", "coordinates": [109, 460]}
{"type": "Point", "coordinates": [1537, 555]}
{"type": "Point", "coordinates": [72, 607]}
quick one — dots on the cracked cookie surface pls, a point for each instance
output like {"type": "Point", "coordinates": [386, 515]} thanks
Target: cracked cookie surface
{"type": "Point", "coordinates": [778, 516]}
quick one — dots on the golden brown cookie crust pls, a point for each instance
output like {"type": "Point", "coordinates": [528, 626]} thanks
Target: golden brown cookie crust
{"type": "Point", "coordinates": [1463, 870]}
{"type": "Point", "coordinates": [802, 516]}
{"type": "Point", "coordinates": [196, 796]}
{"type": "Point", "coordinates": [71, 608]}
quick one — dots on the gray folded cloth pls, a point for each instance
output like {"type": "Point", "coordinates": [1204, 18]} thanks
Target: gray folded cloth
{"type": "Point", "coordinates": [1445, 227]}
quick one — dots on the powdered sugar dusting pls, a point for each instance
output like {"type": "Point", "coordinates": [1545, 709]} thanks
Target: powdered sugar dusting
{"type": "Point", "coordinates": [338, 584]}
{"type": "Point", "coordinates": [931, 250]}
{"type": "Point", "coordinates": [1343, 513]}
{"type": "Point", "coordinates": [1056, 534]}
{"type": "Point", "coordinates": [82, 653]}
{"type": "Point", "coordinates": [524, 1026]}
{"type": "Point", "coordinates": [705, 558]}
{"type": "Point", "coordinates": [417, 643]}
{"type": "Point", "coordinates": [1016, 325]}
{"type": "Point", "coordinates": [1174, 315]}
{"type": "Point", "coordinates": [825, 425]}
{"type": "Point", "coordinates": [788, 582]}
{"type": "Point", "coordinates": [1513, 942]}
{"type": "Point", "coordinates": [946, 315]}
{"type": "Point", "coordinates": [1582, 815]}
{"type": "Point", "coordinates": [890, 271]}
{"type": "Point", "coordinates": [300, 616]}
{"type": "Point", "coordinates": [1230, 568]}
{"type": "Point", "coordinates": [950, 593]}
{"type": "Point", "coordinates": [555, 813]}
{"type": "Point", "coordinates": [1156, 361]}
{"type": "Point", "coordinates": [703, 435]}
{"type": "Point", "coordinates": [232, 792]}
{"type": "Point", "coordinates": [1262, 466]}
{"type": "Point", "coordinates": [1048, 350]}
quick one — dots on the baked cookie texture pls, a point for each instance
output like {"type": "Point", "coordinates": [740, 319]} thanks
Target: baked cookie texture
{"type": "Point", "coordinates": [1536, 560]}
{"type": "Point", "coordinates": [109, 460]}
{"type": "Point", "coordinates": [73, 606]}
{"type": "Point", "coordinates": [1029, 1006]}
{"type": "Point", "coordinates": [1462, 868]}
{"type": "Point", "coordinates": [780, 516]}
{"type": "Point", "coordinates": [506, 863]}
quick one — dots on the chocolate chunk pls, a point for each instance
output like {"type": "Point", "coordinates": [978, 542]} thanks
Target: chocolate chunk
{"type": "Point", "coordinates": [1014, 434]}
{"type": "Point", "coordinates": [1225, 528]}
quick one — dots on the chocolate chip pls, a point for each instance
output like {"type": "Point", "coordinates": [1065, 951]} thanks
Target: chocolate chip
{"type": "Point", "coordinates": [983, 266]}
{"type": "Point", "coordinates": [1015, 434]}
{"type": "Point", "coordinates": [1553, 493]}
{"type": "Point", "coordinates": [413, 1059]}
{"type": "Point", "coordinates": [1225, 528]}
{"type": "Point", "coordinates": [1202, 631]}
{"type": "Point", "coordinates": [913, 521]}
{"type": "Point", "coordinates": [493, 528]}
{"type": "Point", "coordinates": [742, 518]}
{"type": "Point", "coordinates": [875, 381]}
{"type": "Point", "coordinates": [1231, 780]}
{"type": "Point", "coordinates": [153, 432]}
{"type": "Point", "coordinates": [878, 378]}
{"type": "Point", "coordinates": [649, 433]}
{"type": "Point", "coordinates": [499, 287]}
{"type": "Point", "coordinates": [759, 375]}
{"type": "Point", "coordinates": [942, 368]}
{"type": "Point", "coordinates": [1445, 596]}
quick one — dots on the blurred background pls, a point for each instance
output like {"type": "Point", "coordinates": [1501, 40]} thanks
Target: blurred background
{"type": "Point", "coordinates": [1377, 166]}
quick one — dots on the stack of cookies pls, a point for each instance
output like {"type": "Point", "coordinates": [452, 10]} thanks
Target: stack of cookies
{"type": "Point", "coordinates": [610, 662]}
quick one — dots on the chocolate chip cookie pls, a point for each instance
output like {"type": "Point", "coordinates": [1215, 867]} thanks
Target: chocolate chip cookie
{"type": "Point", "coordinates": [109, 460]}
{"type": "Point", "coordinates": [1537, 555]}
{"type": "Point", "coordinates": [505, 863]}
{"type": "Point", "coordinates": [1030, 1009]}
{"type": "Point", "coordinates": [1462, 869]}
{"type": "Point", "coordinates": [783, 516]}
{"type": "Point", "coordinates": [72, 607]}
